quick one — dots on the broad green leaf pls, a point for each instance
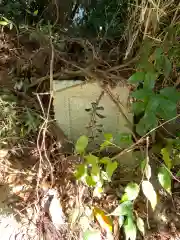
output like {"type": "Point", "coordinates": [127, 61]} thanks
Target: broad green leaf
{"type": "Point", "coordinates": [105, 160]}
{"type": "Point", "coordinates": [92, 235]}
{"type": "Point", "coordinates": [150, 79]}
{"type": "Point", "coordinates": [132, 191]}
{"type": "Point", "coordinates": [142, 94]}
{"type": "Point", "coordinates": [91, 159]}
{"type": "Point", "coordinates": [80, 171]}
{"type": "Point", "coordinates": [81, 144]}
{"type": "Point", "coordinates": [149, 193]}
{"type": "Point", "coordinates": [104, 221]}
{"type": "Point", "coordinates": [164, 178]}
{"type": "Point", "coordinates": [121, 221]}
{"type": "Point", "coordinates": [137, 77]}
{"type": "Point", "coordinates": [138, 107]}
{"type": "Point", "coordinates": [167, 109]}
{"type": "Point", "coordinates": [152, 104]}
{"type": "Point", "coordinates": [110, 168]}
{"type": "Point", "coordinates": [170, 93]}
{"type": "Point", "coordinates": [147, 122]}
{"type": "Point", "coordinates": [95, 170]}
{"type": "Point", "coordinates": [166, 158]}
{"type": "Point", "coordinates": [89, 181]}
{"type": "Point", "coordinates": [140, 225]}
{"type": "Point", "coordinates": [124, 209]}
{"type": "Point", "coordinates": [130, 229]}
{"type": "Point", "coordinates": [4, 23]}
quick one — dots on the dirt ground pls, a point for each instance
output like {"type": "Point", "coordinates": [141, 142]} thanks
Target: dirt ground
{"type": "Point", "coordinates": [22, 63]}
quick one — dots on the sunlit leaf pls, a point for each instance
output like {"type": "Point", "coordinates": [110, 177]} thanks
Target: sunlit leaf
{"type": "Point", "coordinates": [121, 221]}
{"type": "Point", "coordinates": [81, 144]}
{"type": "Point", "coordinates": [89, 180]}
{"type": "Point", "coordinates": [4, 23]}
{"type": "Point", "coordinates": [132, 191]}
{"type": "Point", "coordinates": [92, 235]}
{"type": "Point", "coordinates": [110, 168]}
{"type": "Point", "coordinates": [80, 171]}
{"type": "Point", "coordinates": [166, 158]}
{"type": "Point", "coordinates": [124, 198]}
{"type": "Point", "coordinates": [147, 171]}
{"type": "Point", "coordinates": [164, 178]}
{"type": "Point", "coordinates": [104, 221]}
{"type": "Point", "coordinates": [105, 160]}
{"type": "Point", "coordinates": [130, 229]}
{"type": "Point", "coordinates": [137, 77]}
{"type": "Point", "coordinates": [91, 159]}
{"type": "Point", "coordinates": [124, 209]}
{"type": "Point", "coordinates": [35, 13]}
{"type": "Point", "coordinates": [140, 225]}
{"type": "Point", "coordinates": [150, 193]}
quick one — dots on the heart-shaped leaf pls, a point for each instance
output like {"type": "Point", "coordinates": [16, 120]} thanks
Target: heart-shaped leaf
{"type": "Point", "coordinates": [132, 191]}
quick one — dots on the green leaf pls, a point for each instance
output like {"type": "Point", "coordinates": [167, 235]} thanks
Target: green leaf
{"type": "Point", "coordinates": [80, 171]}
{"type": "Point", "coordinates": [167, 109]}
{"type": "Point", "coordinates": [4, 23]}
{"type": "Point", "coordinates": [105, 160]}
{"type": "Point", "coordinates": [108, 137]}
{"type": "Point", "coordinates": [35, 13]}
{"type": "Point", "coordinates": [150, 79]}
{"type": "Point", "coordinates": [108, 141]}
{"type": "Point", "coordinates": [147, 122]}
{"type": "Point", "coordinates": [105, 144]}
{"type": "Point", "coordinates": [164, 178]}
{"type": "Point", "coordinates": [140, 225]}
{"type": "Point", "coordinates": [91, 159]}
{"type": "Point", "coordinates": [149, 193]}
{"type": "Point", "coordinates": [132, 191]}
{"type": "Point", "coordinates": [138, 107]}
{"type": "Point", "coordinates": [124, 209]}
{"type": "Point", "coordinates": [81, 144]}
{"type": "Point", "coordinates": [137, 77]}
{"type": "Point", "coordinates": [130, 229]}
{"type": "Point", "coordinates": [110, 168]}
{"type": "Point", "coordinates": [166, 158]}
{"type": "Point", "coordinates": [152, 104]}
{"type": "Point", "coordinates": [92, 235]}
{"type": "Point", "coordinates": [143, 94]}
{"type": "Point", "coordinates": [124, 198]}
{"type": "Point", "coordinates": [90, 182]}
{"type": "Point", "coordinates": [125, 138]}
{"type": "Point", "coordinates": [170, 93]}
